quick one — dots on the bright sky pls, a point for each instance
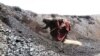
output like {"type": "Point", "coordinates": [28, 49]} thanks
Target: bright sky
{"type": "Point", "coordinates": [64, 7]}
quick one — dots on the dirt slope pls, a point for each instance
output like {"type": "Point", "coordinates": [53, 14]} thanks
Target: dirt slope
{"type": "Point", "coordinates": [21, 34]}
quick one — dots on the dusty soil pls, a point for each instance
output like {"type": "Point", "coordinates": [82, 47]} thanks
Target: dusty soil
{"type": "Point", "coordinates": [21, 34]}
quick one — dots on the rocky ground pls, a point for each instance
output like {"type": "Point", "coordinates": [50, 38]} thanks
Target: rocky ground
{"type": "Point", "coordinates": [21, 34]}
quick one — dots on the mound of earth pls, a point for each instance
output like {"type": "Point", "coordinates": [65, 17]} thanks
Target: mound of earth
{"type": "Point", "coordinates": [21, 34]}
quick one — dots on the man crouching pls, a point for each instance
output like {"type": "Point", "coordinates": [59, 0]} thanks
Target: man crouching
{"type": "Point", "coordinates": [59, 28]}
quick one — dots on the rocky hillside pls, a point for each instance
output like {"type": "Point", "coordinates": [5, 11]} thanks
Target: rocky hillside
{"type": "Point", "coordinates": [21, 34]}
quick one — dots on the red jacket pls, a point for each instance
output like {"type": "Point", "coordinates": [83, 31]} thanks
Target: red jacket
{"type": "Point", "coordinates": [62, 30]}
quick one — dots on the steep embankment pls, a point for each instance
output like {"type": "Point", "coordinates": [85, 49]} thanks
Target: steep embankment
{"type": "Point", "coordinates": [21, 34]}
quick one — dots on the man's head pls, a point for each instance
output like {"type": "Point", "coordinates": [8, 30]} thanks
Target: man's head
{"type": "Point", "coordinates": [46, 21]}
{"type": "Point", "coordinates": [50, 23]}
